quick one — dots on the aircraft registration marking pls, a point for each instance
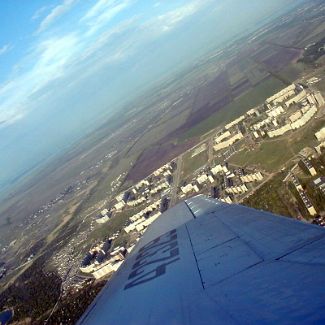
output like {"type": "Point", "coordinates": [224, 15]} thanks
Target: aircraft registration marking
{"type": "Point", "coordinates": [153, 258]}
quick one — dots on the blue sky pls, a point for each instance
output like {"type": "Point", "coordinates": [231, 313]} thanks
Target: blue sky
{"type": "Point", "coordinates": [42, 42]}
{"type": "Point", "coordinates": [65, 65]}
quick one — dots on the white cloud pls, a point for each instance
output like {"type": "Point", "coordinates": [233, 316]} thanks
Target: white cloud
{"type": "Point", "coordinates": [52, 57]}
{"type": "Point", "coordinates": [82, 51]}
{"type": "Point", "coordinates": [169, 20]}
{"type": "Point", "coordinates": [102, 13]}
{"type": "Point", "coordinates": [5, 48]}
{"type": "Point", "coordinates": [99, 7]}
{"type": "Point", "coordinates": [38, 13]}
{"type": "Point", "coordinates": [105, 37]}
{"type": "Point", "coordinates": [55, 14]}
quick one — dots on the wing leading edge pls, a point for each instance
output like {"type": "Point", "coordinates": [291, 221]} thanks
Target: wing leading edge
{"type": "Point", "coordinates": [206, 262]}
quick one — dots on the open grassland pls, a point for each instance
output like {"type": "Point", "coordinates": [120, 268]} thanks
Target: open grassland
{"type": "Point", "coordinates": [272, 196]}
{"type": "Point", "coordinates": [271, 155]}
{"type": "Point", "coordinates": [191, 164]}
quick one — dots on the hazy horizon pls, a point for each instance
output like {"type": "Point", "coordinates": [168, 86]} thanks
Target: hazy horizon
{"type": "Point", "coordinates": [67, 65]}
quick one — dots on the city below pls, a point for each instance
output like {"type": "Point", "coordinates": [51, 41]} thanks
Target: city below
{"type": "Point", "coordinates": [143, 123]}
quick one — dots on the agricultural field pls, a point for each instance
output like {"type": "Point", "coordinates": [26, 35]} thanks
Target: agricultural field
{"type": "Point", "coordinates": [222, 88]}
{"type": "Point", "coordinates": [250, 99]}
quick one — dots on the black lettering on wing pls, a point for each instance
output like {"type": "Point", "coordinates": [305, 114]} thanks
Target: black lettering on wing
{"type": "Point", "coordinates": [163, 249]}
{"type": "Point", "coordinates": [138, 271]}
{"type": "Point", "coordinates": [165, 244]}
{"type": "Point", "coordinates": [157, 272]}
{"type": "Point", "coordinates": [170, 236]}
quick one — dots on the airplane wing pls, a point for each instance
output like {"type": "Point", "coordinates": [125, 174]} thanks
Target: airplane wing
{"type": "Point", "coordinates": [207, 262]}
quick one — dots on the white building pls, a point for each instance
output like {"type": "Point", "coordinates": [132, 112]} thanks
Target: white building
{"type": "Point", "coordinates": [259, 125]}
{"type": "Point", "coordinates": [228, 142]}
{"type": "Point", "coordinates": [219, 169]}
{"type": "Point", "coordinates": [107, 269]}
{"type": "Point", "coordinates": [237, 189]}
{"type": "Point", "coordinates": [274, 112]}
{"type": "Point", "coordinates": [282, 95]}
{"type": "Point", "coordinates": [137, 202]}
{"type": "Point", "coordinates": [319, 98]}
{"type": "Point", "coordinates": [104, 212]}
{"type": "Point", "coordinates": [187, 189]}
{"type": "Point", "coordinates": [227, 199]}
{"type": "Point", "coordinates": [320, 135]}
{"type": "Point", "coordinates": [222, 136]}
{"type": "Point", "coordinates": [280, 131]}
{"type": "Point", "coordinates": [305, 118]}
{"type": "Point", "coordinates": [252, 177]}
{"type": "Point", "coordinates": [295, 116]}
{"type": "Point", "coordinates": [296, 99]}
{"type": "Point", "coordinates": [202, 179]}
{"type": "Point", "coordinates": [320, 147]}
{"type": "Point", "coordinates": [119, 206]}
{"type": "Point", "coordinates": [256, 135]}
{"type": "Point", "coordinates": [234, 122]}
{"type": "Point", "coordinates": [252, 111]}
{"type": "Point", "coordinates": [102, 219]}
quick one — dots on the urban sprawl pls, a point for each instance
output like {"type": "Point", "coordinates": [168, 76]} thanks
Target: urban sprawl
{"type": "Point", "coordinates": [286, 111]}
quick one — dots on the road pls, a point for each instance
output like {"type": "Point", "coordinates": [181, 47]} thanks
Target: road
{"type": "Point", "coordinates": [177, 177]}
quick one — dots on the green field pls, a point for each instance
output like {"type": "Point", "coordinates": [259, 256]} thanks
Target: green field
{"type": "Point", "coordinates": [252, 98]}
{"type": "Point", "coordinates": [272, 196]}
{"type": "Point", "coordinates": [293, 71]}
{"type": "Point", "coordinates": [270, 155]}
{"type": "Point", "coordinates": [273, 154]}
{"type": "Point", "coordinates": [191, 164]}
